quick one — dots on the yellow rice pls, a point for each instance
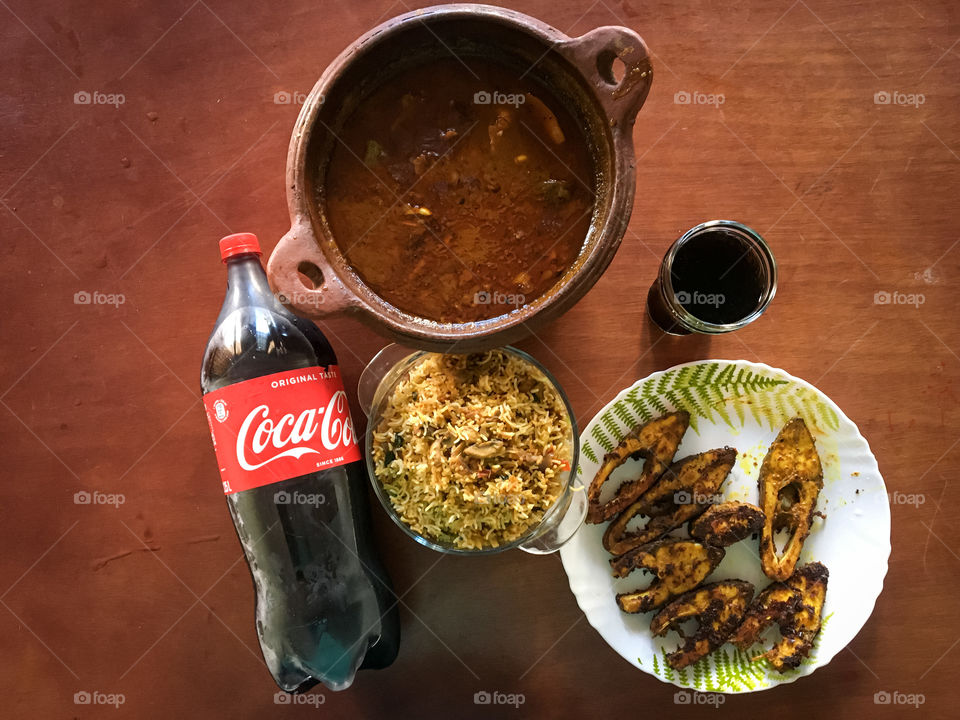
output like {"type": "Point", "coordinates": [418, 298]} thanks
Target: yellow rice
{"type": "Point", "coordinates": [472, 449]}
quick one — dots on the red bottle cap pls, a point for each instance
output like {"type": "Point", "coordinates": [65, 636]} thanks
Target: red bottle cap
{"type": "Point", "coordinates": [237, 244]}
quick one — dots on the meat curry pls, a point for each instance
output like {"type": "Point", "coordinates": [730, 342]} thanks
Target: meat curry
{"type": "Point", "coordinates": [459, 193]}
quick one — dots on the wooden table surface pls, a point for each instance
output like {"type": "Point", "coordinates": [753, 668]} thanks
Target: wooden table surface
{"type": "Point", "coordinates": [151, 600]}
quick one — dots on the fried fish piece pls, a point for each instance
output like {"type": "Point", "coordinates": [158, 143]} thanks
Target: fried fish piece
{"type": "Point", "coordinates": [802, 628]}
{"type": "Point", "coordinates": [727, 523]}
{"type": "Point", "coordinates": [791, 478]}
{"type": "Point", "coordinates": [796, 606]}
{"type": "Point", "coordinates": [775, 604]}
{"type": "Point", "coordinates": [718, 609]}
{"type": "Point", "coordinates": [656, 441]}
{"type": "Point", "coordinates": [682, 493]}
{"type": "Point", "coordinates": [679, 565]}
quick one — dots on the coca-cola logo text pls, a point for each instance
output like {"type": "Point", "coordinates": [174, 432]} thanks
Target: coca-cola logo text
{"type": "Point", "coordinates": [263, 439]}
{"type": "Point", "coordinates": [281, 426]}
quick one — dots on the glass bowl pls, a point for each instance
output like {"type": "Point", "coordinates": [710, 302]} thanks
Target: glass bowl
{"type": "Point", "coordinates": [560, 521]}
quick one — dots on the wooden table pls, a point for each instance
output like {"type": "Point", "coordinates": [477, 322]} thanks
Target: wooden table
{"type": "Point", "coordinates": [150, 599]}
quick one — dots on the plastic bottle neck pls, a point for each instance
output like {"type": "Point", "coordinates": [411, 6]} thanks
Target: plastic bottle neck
{"type": "Point", "coordinates": [247, 282]}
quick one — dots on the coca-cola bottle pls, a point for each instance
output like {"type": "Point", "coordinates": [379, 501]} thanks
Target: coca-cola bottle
{"type": "Point", "coordinates": [295, 484]}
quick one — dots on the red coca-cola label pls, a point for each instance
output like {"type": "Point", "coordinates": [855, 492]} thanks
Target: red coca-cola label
{"type": "Point", "coordinates": [280, 426]}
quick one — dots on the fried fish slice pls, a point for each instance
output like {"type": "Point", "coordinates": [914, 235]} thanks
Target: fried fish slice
{"type": "Point", "coordinates": [802, 627]}
{"type": "Point", "coordinates": [656, 441]}
{"type": "Point", "coordinates": [790, 481]}
{"type": "Point", "coordinates": [775, 604]}
{"type": "Point", "coordinates": [718, 609]}
{"type": "Point", "coordinates": [796, 606]}
{"type": "Point", "coordinates": [681, 494]}
{"type": "Point", "coordinates": [727, 523]}
{"type": "Point", "coordinates": [679, 565]}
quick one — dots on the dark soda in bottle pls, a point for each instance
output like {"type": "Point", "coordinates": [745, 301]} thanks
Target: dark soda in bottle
{"type": "Point", "coordinates": [294, 481]}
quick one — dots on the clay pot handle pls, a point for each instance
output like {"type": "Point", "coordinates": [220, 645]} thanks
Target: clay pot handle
{"type": "Point", "coordinates": [296, 255]}
{"type": "Point", "coordinates": [595, 53]}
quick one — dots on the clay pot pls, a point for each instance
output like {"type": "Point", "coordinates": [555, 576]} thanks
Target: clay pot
{"type": "Point", "coordinates": [578, 71]}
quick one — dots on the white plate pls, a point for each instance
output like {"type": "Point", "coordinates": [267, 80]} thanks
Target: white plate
{"type": "Point", "coordinates": [743, 405]}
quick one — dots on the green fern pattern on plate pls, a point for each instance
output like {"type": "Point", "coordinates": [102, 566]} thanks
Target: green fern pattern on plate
{"type": "Point", "coordinates": [711, 391]}
{"type": "Point", "coordinates": [722, 671]}
{"type": "Point", "coordinates": [715, 392]}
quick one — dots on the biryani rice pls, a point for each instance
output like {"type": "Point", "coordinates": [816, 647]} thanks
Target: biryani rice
{"type": "Point", "coordinates": [472, 450]}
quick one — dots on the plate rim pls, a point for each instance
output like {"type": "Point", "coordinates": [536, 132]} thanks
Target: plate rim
{"type": "Point", "coordinates": [873, 465]}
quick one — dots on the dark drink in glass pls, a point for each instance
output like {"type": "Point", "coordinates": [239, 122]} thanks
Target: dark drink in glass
{"type": "Point", "coordinates": [718, 277]}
